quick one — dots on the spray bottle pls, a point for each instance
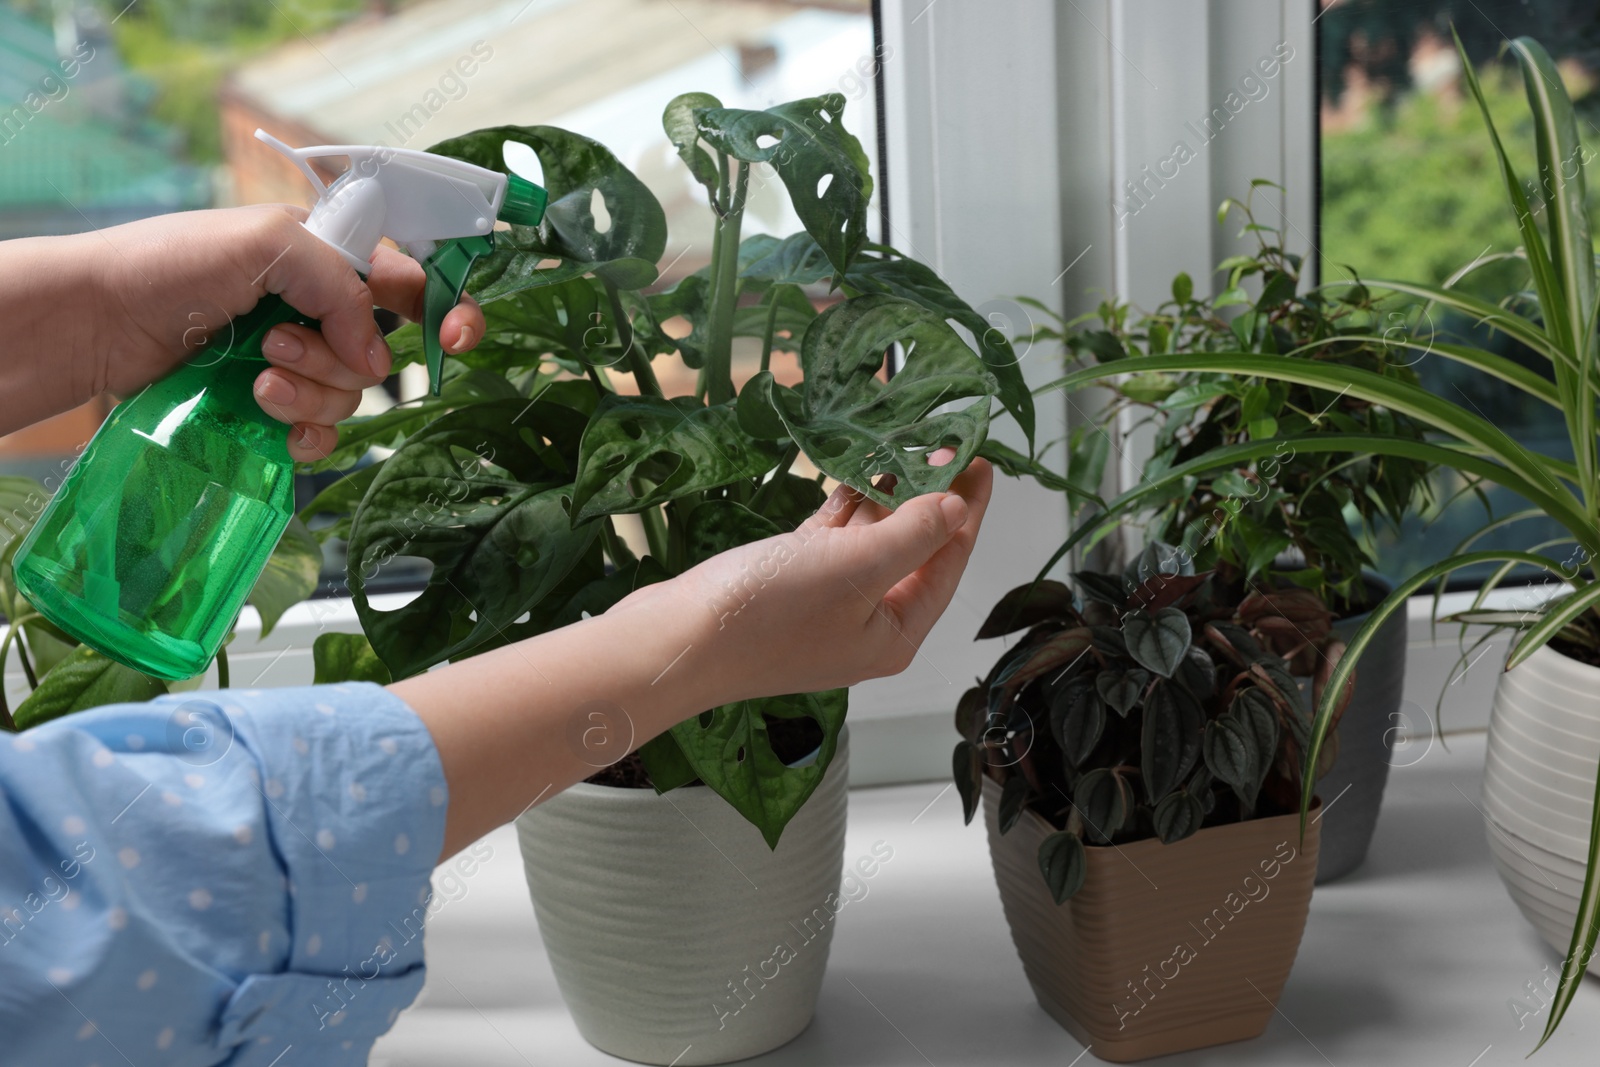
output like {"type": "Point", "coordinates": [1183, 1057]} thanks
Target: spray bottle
{"type": "Point", "coordinates": [164, 524]}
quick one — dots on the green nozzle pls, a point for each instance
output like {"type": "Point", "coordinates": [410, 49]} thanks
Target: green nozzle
{"type": "Point", "coordinates": [524, 202]}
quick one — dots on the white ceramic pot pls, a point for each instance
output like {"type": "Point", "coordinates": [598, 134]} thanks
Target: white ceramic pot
{"type": "Point", "coordinates": [676, 935]}
{"type": "Point", "coordinates": [1539, 785]}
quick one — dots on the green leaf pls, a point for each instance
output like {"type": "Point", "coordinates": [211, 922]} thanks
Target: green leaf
{"type": "Point", "coordinates": [679, 122]}
{"type": "Point", "coordinates": [732, 755]}
{"type": "Point", "coordinates": [1182, 288]}
{"type": "Point", "coordinates": [1232, 755]}
{"type": "Point", "coordinates": [1157, 641]}
{"type": "Point", "coordinates": [820, 162]}
{"type": "Point", "coordinates": [1169, 739]}
{"type": "Point", "coordinates": [855, 427]}
{"type": "Point", "coordinates": [1064, 864]}
{"type": "Point", "coordinates": [714, 526]}
{"type": "Point", "coordinates": [575, 169]}
{"type": "Point", "coordinates": [914, 281]}
{"type": "Point", "coordinates": [1121, 689]}
{"type": "Point", "coordinates": [1178, 816]}
{"type": "Point", "coordinates": [346, 658]}
{"type": "Point", "coordinates": [796, 260]}
{"type": "Point", "coordinates": [22, 501]}
{"type": "Point", "coordinates": [1025, 606]}
{"type": "Point", "coordinates": [757, 408]}
{"type": "Point", "coordinates": [1077, 719]}
{"type": "Point", "coordinates": [483, 498]}
{"type": "Point", "coordinates": [290, 576]}
{"type": "Point", "coordinates": [967, 769]}
{"type": "Point", "coordinates": [639, 451]}
{"type": "Point", "coordinates": [85, 679]}
{"type": "Point", "coordinates": [1013, 798]}
{"type": "Point", "coordinates": [340, 500]}
{"type": "Point", "coordinates": [666, 764]}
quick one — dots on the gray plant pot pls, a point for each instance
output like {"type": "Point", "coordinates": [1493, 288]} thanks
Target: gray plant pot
{"type": "Point", "coordinates": [1352, 790]}
{"type": "Point", "coordinates": [676, 936]}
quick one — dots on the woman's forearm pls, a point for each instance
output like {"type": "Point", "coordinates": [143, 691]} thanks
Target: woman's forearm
{"type": "Point", "coordinates": [49, 304]}
{"type": "Point", "coordinates": [524, 722]}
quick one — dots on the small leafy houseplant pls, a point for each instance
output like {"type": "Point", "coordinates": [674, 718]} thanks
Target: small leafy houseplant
{"type": "Point", "coordinates": [1224, 482]}
{"type": "Point", "coordinates": [1145, 707]}
{"type": "Point", "coordinates": [510, 484]}
{"type": "Point", "coordinates": [1139, 752]}
{"type": "Point", "coordinates": [1554, 318]}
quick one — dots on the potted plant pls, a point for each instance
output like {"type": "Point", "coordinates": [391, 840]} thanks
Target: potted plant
{"type": "Point", "coordinates": [1139, 756]}
{"type": "Point", "coordinates": [1281, 521]}
{"type": "Point", "coordinates": [1544, 745]}
{"type": "Point", "coordinates": [512, 486]}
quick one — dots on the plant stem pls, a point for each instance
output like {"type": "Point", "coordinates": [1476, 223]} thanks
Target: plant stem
{"type": "Point", "coordinates": [770, 487]}
{"type": "Point", "coordinates": [638, 361]}
{"type": "Point", "coordinates": [655, 532]}
{"type": "Point", "coordinates": [725, 295]}
{"type": "Point", "coordinates": [615, 547]}
{"type": "Point", "coordinates": [677, 546]}
{"type": "Point", "coordinates": [766, 336]}
{"type": "Point", "coordinates": [22, 654]}
{"type": "Point", "coordinates": [222, 667]}
{"type": "Point", "coordinates": [594, 377]}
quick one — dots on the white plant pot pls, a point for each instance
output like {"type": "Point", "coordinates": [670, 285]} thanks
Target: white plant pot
{"type": "Point", "coordinates": [676, 936]}
{"type": "Point", "coordinates": [1539, 785]}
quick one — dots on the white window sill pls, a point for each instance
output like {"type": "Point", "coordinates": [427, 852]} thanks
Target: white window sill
{"type": "Point", "coordinates": [1412, 959]}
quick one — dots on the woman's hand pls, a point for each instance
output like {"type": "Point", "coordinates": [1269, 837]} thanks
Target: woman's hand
{"type": "Point", "coordinates": [118, 308]}
{"type": "Point", "coordinates": [848, 596]}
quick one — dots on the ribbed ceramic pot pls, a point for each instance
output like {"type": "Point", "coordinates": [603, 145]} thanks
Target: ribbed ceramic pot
{"type": "Point", "coordinates": [1353, 787]}
{"type": "Point", "coordinates": [676, 935]}
{"type": "Point", "coordinates": [1538, 787]}
{"type": "Point", "coordinates": [1166, 947]}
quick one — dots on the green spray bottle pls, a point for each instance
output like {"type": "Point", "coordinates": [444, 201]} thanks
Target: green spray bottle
{"type": "Point", "coordinates": [159, 532]}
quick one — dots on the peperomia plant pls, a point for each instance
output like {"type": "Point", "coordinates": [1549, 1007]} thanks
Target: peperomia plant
{"type": "Point", "coordinates": [1224, 479]}
{"type": "Point", "coordinates": [509, 484]}
{"type": "Point", "coordinates": [1149, 707]}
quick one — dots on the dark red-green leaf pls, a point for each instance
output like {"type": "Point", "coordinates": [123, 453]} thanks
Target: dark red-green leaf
{"type": "Point", "coordinates": [1025, 606]}
{"type": "Point", "coordinates": [1077, 719]}
{"type": "Point", "coordinates": [1013, 798]}
{"type": "Point", "coordinates": [967, 770]}
{"type": "Point", "coordinates": [1177, 816]}
{"type": "Point", "coordinates": [1064, 863]}
{"type": "Point", "coordinates": [1158, 641]}
{"type": "Point", "coordinates": [1105, 800]}
{"type": "Point", "coordinates": [1122, 688]}
{"type": "Point", "coordinates": [1169, 739]}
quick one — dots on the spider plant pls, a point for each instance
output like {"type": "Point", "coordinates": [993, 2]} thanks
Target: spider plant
{"type": "Point", "coordinates": [1558, 323]}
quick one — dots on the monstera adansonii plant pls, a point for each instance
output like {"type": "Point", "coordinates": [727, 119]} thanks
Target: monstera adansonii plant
{"type": "Point", "coordinates": [508, 483]}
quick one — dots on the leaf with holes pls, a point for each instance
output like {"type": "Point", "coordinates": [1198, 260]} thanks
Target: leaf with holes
{"type": "Point", "coordinates": [911, 280]}
{"type": "Point", "coordinates": [855, 427]}
{"type": "Point", "coordinates": [1169, 739]}
{"type": "Point", "coordinates": [1064, 863]}
{"type": "Point", "coordinates": [757, 407]}
{"type": "Point", "coordinates": [819, 161]}
{"type": "Point", "coordinates": [639, 451]}
{"type": "Point", "coordinates": [1178, 816]}
{"type": "Point", "coordinates": [577, 173]}
{"type": "Point", "coordinates": [1013, 798]}
{"type": "Point", "coordinates": [733, 756]}
{"type": "Point", "coordinates": [1158, 641]}
{"type": "Point", "coordinates": [689, 300]}
{"type": "Point", "coordinates": [483, 498]}
{"type": "Point", "coordinates": [1105, 800]}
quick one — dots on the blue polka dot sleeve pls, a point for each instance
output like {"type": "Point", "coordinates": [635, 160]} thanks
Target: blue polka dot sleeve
{"type": "Point", "coordinates": [215, 878]}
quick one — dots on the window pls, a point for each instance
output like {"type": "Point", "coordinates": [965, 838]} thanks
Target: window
{"type": "Point", "coordinates": [1410, 189]}
{"type": "Point", "coordinates": [123, 111]}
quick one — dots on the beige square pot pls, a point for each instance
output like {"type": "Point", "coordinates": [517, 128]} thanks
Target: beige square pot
{"type": "Point", "coordinates": [1166, 947]}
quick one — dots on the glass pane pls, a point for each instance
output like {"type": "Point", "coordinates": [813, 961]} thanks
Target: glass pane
{"type": "Point", "coordinates": [1411, 190]}
{"type": "Point", "coordinates": [132, 110]}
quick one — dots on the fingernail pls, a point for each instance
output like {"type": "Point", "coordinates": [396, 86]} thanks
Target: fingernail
{"type": "Point", "coordinates": [955, 512]}
{"type": "Point", "coordinates": [463, 340]}
{"type": "Point", "coordinates": [308, 437]}
{"type": "Point", "coordinates": [378, 357]}
{"type": "Point", "coordinates": [281, 346]}
{"type": "Point", "coordinates": [275, 389]}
